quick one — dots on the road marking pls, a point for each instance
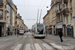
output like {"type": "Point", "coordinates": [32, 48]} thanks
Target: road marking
{"type": "Point", "coordinates": [68, 47]}
{"type": "Point", "coordinates": [29, 36]}
{"type": "Point", "coordinates": [37, 46]}
{"type": "Point", "coordinates": [25, 36]}
{"type": "Point", "coordinates": [32, 46]}
{"type": "Point", "coordinates": [27, 47]}
{"type": "Point", "coordinates": [47, 46]}
{"type": "Point", "coordinates": [18, 47]}
{"type": "Point", "coordinates": [56, 46]}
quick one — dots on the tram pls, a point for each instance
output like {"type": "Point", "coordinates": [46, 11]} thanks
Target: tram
{"type": "Point", "coordinates": [39, 30]}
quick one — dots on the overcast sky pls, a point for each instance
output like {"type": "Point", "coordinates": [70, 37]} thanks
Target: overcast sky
{"type": "Point", "coordinates": [28, 10]}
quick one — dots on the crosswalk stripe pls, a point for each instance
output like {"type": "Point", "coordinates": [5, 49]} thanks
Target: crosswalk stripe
{"type": "Point", "coordinates": [68, 47]}
{"type": "Point", "coordinates": [37, 46]}
{"type": "Point", "coordinates": [18, 47]}
{"type": "Point", "coordinates": [25, 36]}
{"type": "Point", "coordinates": [27, 47]}
{"type": "Point", "coordinates": [47, 46]}
{"type": "Point", "coordinates": [32, 46]}
{"type": "Point", "coordinates": [56, 46]}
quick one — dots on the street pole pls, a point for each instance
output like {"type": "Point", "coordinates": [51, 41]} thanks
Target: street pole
{"type": "Point", "coordinates": [37, 15]}
{"type": "Point", "coordinates": [40, 16]}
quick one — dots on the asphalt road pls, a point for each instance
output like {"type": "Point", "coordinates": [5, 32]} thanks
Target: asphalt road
{"type": "Point", "coordinates": [28, 42]}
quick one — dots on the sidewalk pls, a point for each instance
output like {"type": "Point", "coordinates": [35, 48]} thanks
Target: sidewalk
{"type": "Point", "coordinates": [66, 40]}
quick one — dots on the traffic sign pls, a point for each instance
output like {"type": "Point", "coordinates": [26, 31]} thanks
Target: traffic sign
{"type": "Point", "coordinates": [74, 17]}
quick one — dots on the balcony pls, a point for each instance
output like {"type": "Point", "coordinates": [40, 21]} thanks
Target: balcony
{"type": "Point", "coordinates": [65, 1]}
{"type": "Point", "coordinates": [58, 1]}
{"type": "Point", "coordinates": [55, 2]}
{"type": "Point", "coordinates": [65, 11]}
{"type": "Point", "coordinates": [70, 9]}
{"type": "Point", "coordinates": [1, 3]}
{"type": "Point", "coordinates": [58, 12]}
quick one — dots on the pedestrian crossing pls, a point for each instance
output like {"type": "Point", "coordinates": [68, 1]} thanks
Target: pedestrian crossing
{"type": "Point", "coordinates": [28, 36]}
{"type": "Point", "coordinates": [43, 46]}
{"type": "Point", "coordinates": [47, 46]}
{"type": "Point", "coordinates": [18, 47]}
{"type": "Point", "coordinates": [37, 46]}
{"type": "Point", "coordinates": [27, 47]}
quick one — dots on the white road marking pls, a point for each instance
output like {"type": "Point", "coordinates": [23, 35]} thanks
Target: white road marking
{"type": "Point", "coordinates": [37, 46]}
{"type": "Point", "coordinates": [29, 36]}
{"type": "Point", "coordinates": [32, 46]}
{"type": "Point", "coordinates": [27, 47]}
{"type": "Point", "coordinates": [47, 46]}
{"type": "Point", "coordinates": [13, 47]}
{"type": "Point", "coordinates": [18, 47]}
{"type": "Point", "coordinates": [25, 36]}
{"type": "Point", "coordinates": [56, 46]}
{"type": "Point", "coordinates": [68, 47]}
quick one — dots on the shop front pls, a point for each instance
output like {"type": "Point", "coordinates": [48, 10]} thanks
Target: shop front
{"type": "Point", "coordinates": [1, 29]}
{"type": "Point", "coordinates": [69, 31]}
{"type": "Point", "coordinates": [50, 30]}
{"type": "Point", "coordinates": [59, 26]}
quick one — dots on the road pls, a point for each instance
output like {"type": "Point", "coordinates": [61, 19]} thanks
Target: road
{"type": "Point", "coordinates": [27, 42]}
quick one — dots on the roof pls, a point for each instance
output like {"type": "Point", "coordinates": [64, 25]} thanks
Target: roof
{"type": "Point", "coordinates": [11, 2]}
{"type": "Point", "coordinates": [46, 14]}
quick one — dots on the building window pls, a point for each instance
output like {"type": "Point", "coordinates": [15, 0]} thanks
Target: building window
{"type": "Point", "coordinates": [58, 6]}
{"type": "Point", "coordinates": [1, 2]}
{"type": "Point", "coordinates": [67, 19]}
{"type": "Point", "coordinates": [67, 5]}
{"type": "Point", "coordinates": [64, 19]}
{"type": "Point", "coordinates": [71, 3]}
{"type": "Point", "coordinates": [1, 14]}
{"type": "Point", "coordinates": [71, 18]}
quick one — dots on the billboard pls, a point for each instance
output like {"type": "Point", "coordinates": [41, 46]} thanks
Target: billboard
{"type": "Point", "coordinates": [1, 14]}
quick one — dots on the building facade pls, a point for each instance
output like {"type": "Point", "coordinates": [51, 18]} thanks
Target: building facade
{"type": "Point", "coordinates": [63, 17]}
{"type": "Point", "coordinates": [20, 23]}
{"type": "Point", "coordinates": [46, 22]}
{"type": "Point", "coordinates": [3, 13]}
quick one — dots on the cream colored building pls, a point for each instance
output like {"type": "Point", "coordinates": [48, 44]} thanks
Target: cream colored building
{"type": "Point", "coordinates": [11, 17]}
{"type": "Point", "coordinates": [3, 13]}
{"type": "Point", "coordinates": [46, 21]}
{"type": "Point", "coordinates": [20, 23]}
{"type": "Point", "coordinates": [62, 17]}
{"type": "Point", "coordinates": [50, 20]}
{"type": "Point", "coordinates": [14, 21]}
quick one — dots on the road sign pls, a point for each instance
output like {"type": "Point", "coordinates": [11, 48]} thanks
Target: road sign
{"type": "Point", "coordinates": [46, 26]}
{"type": "Point", "coordinates": [74, 17]}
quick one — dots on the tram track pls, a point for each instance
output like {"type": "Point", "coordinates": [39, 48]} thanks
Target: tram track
{"type": "Point", "coordinates": [7, 48]}
{"type": "Point", "coordinates": [25, 41]}
{"type": "Point", "coordinates": [48, 44]}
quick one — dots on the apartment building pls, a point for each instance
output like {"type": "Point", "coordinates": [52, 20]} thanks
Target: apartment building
{"type": "Point", "coordinates": [20, 23]}
{"type": "Point", "coordinates": [11, 17]}
{"type": "Point", "coordinates": [14, 22]}
{"type": "Point", "coordinates": [68, 18]}
{"type": "Point", "coordinates": [62, 17]}
{"type": "Point", "coordinates": [46, 21]}
{"type": "Point", "coordinates": [50, 19]}
{"type": "Point", "coordinates": [3, 13]}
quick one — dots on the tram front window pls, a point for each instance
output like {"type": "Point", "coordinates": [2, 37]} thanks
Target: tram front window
{"type": "Point", "coordinates": [40, 29]}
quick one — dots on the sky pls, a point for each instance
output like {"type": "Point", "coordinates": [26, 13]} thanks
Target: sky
{"type": "Point", "coordinates": [28, 9]}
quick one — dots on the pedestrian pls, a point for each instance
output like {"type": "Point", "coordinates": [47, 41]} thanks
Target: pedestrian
{"type": "Point", "coordinates": [60, 35]}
